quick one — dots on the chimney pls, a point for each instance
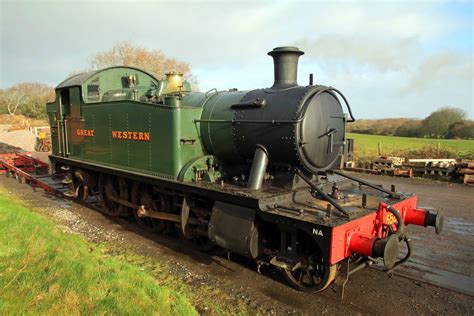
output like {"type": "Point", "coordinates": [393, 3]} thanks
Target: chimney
{"type": "Point", "coordinates": [285, 61]}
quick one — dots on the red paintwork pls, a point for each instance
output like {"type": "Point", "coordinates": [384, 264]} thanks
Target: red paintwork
{"type": "Point", "coordinates": [22, 165]}
{"type": "Point", "coordinates": [361, 244]}
{"type": "Point", "coordinates": [358, 236]}
{"type": "Point", "coordinates": [16, 160]}
{"type": "Point", "coordinates": [415, 217]}
{"type": "Point", "coordinates": [341, 236]}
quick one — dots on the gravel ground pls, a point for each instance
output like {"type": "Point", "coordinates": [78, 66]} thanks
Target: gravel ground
{"type": "Point", "coordinates": [21, 138]}
{"type": "Point", "coordinates": [368, 291]}
{"type": "Point", "coordinates": [63, 211]}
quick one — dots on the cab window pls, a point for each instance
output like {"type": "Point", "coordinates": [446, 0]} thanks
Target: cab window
{"type": "Point", "coordinates": [93, 91]}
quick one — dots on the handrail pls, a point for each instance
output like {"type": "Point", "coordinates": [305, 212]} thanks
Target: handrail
{"type": "Point", "coordinates": [321, 192]}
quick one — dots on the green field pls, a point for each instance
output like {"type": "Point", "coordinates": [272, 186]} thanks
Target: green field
{"type": "Point", "coordinates": [46, 271]}
{"type": "Point", "coordinates": [367, 145]}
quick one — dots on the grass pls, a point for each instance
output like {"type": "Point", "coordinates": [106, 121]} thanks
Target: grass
{"type": "Point", "coordinates": [44, 270]}
{"type": "Point", "coordinates": [367, 145]}
{"type": "Point", "coordinates": [208, 298]}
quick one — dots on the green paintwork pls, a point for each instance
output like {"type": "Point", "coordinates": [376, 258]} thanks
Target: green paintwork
{"type": "Point", "coordinates": [93, 125]}
{"type": "Point", "coordinates": [202, 168]}
{"type": "Point", "coordinates": [51, 110]}
{"type": "Point", "coordinates": [112, 84]}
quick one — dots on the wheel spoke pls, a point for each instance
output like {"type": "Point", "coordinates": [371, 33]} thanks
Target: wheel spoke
{"type": "Point", "coordinates": [152, 202]}
{"type": "Point", "coordinates": [311, 279]}
{"type": "Point", "coordinates": [112, 187]}
{"type": "Point", "coordinates": [200, 214]}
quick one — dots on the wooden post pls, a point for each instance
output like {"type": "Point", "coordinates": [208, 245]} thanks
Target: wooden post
{"type": "Point", "coordinates": [379, 148]}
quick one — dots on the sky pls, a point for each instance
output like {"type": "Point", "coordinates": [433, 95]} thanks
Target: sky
{"type": "Point", "coordinates": [389, 58]}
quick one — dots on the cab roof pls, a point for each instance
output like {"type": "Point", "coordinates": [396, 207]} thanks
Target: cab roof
{"type": "Point", "coordinates": [79, 79]}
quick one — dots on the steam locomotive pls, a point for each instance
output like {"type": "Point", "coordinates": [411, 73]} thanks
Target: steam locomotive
{"type": "Point", "coordinates": [253, 172]}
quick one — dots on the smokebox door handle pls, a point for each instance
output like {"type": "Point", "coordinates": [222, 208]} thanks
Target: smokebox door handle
{"type": "Point", "coordinates": [255, 103]}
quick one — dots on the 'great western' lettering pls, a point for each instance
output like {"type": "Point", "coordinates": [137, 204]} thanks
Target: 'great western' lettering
{"type": "Point", "coordinates": [85, 132]}
{"type": "Point", "coordinates": [143, 136]}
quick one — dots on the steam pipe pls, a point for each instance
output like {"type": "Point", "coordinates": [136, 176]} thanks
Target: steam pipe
{"type": "Point", "coordinates": [259, 166]}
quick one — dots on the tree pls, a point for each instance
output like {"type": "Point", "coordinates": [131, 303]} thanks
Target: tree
{"type": "Point", "coordinates": [464, 129]}
{"type": "Point", "coordinates": [27, 98]}
{"type": "Point", "coordinates": [11, 99]}
{"type": "Point", "coordinates": [438, 122]}
{"type": "Point", "coordinates": [152, 61]}
{"type": "Point", "coordinates": [409, 129]}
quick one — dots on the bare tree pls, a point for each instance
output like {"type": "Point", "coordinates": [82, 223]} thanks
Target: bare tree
{"type": "Point", "coordinates": [11, 99]}
{"type": "Point", "coordinates": [126, 54]}
{"type": "Point", "coordinates": [27, 98]}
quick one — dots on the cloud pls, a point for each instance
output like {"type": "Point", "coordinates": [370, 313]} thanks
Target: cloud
{"type": "Point", "coordinates": [384, 55]}
{"type": "Point", "coordinates": [439, 69]}
{"type": "Point", "coordinates": [377, 19]}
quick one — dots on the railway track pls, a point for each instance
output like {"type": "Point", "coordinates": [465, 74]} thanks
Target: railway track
{"type": "Point", "coordinates": [26, 169]}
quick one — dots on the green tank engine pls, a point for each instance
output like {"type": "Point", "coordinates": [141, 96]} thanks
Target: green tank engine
{"type": "Point", "coordinates": [123, 117]}
{"type": "Point", "coordinates": [254, 172]}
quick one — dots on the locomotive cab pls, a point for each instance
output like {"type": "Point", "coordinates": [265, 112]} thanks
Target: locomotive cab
{"type": "Point", "coordinates": [66, 113]}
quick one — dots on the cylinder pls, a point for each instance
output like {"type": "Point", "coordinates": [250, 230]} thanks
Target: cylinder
{"type": "Point", "coordinates": [259, 166]}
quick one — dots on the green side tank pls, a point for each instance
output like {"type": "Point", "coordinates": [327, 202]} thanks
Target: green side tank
{"type": "Point", "coordinates": [123, 117]}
